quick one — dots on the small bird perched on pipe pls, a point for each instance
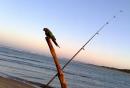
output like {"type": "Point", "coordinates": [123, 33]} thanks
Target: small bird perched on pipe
{"type": "Point", "coordinates": [49, 34]}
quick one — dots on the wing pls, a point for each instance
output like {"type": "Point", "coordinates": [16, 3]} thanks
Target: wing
{"type": "Point", "coordinates": [54, 40]}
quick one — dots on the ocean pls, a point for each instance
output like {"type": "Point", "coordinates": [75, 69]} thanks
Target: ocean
{"type": "Point", "coordinates": [40, 69]}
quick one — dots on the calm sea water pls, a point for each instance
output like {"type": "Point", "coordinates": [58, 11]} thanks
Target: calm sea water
{"type": "Point", "coordinates": [40, 69]}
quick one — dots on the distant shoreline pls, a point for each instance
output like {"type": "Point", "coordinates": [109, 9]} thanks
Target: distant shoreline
{"type": "Point", "coordinates": [122, 70]}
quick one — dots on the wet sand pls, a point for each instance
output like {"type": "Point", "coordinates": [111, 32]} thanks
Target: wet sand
{"type": "Point", "coordinates": [10, 83]}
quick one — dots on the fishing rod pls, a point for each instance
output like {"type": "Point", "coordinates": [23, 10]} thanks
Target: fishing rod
{"type": "Point", "coordinates": [82, 48]}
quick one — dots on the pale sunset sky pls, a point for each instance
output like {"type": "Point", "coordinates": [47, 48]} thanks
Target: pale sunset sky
{"type": "Point", "coordinates": [72, 22]}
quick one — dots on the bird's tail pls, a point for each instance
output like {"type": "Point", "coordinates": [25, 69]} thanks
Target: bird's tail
{"type": "Point", "coordinates": [55, 43]}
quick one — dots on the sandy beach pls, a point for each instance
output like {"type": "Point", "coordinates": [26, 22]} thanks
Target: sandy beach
{"type": "Point", "coordinates": [10, 83]}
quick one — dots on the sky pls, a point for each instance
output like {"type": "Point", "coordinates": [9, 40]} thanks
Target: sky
{"type": "Point", "coordinates": [72, 22]}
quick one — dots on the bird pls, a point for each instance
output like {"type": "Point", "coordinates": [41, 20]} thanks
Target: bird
{"type": "Point", "coordinates": [49, 34]}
